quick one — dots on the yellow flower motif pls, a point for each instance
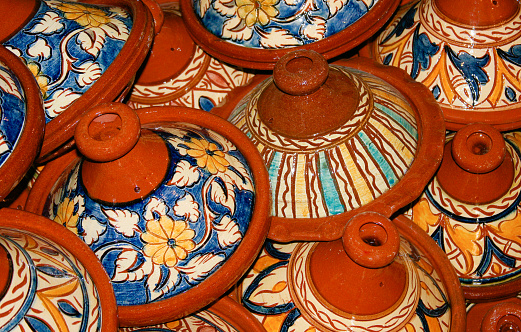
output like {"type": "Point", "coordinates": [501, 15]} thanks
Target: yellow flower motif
{"type": "Point", "coordinates": [167, 240]}
{"type": "Point", "coordinates": [253, 11]}
{"type": "Point", "coordinates": [41, 79]}
{"type": "Point", "coordinates": [85, 16]}
{"type": "Point", "coordinates": [66, 216]}
{"type": "Point", "coordinates": [207, 155]}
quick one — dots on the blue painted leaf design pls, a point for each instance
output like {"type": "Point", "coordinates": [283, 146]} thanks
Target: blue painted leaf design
{"type": "Point", "coordinates": [52, 271]}
{"type": "Point", "coordinates": [436, 92]}
{"type": "Point", "coordinates": [513, 55]}
{"type": "Point", "coordinates": [50, 251]}
{"type": "Point", "coordinates": [68, 309]}
{"type": "Point", "coordinates": [471, 68]}
{"type": "Point", "coordinates": [406, 22]}
{"type": "Point", "coordinates": [37, 324]}
{"type": "Point", "coordinates": [422, 51]}
{"type": "Point", "coordinates": [489, 251]}
{"type": "Point", "coordinates": [387, 59]}
{"type": "Point", "coordinates": [206, 104]}
{"type": "Point", "coordinates": [510, 94]}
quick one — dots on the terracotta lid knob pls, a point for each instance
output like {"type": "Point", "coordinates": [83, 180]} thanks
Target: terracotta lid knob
{"type": "Point", "coordinates": [504, 317]}
{"type": "Point", "coordinates": [124, 163]}
{"type": "Point", "coordinates": [478, 13]}
{"type": "Point", "coordinates": [371, 240]}
{"type": "Point", "coordinates": [476, 167]}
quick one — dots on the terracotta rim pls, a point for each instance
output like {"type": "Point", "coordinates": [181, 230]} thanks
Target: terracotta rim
{"type": "Point", "coordinates": [329, 47]}
{"type": "Point", "coordinates": [40, 226]}
{"type": "Point", "coordinates": [29, 143]}
{"type": "Point", "coordinates": [225, 277]}
{"type": "Point", "coordinates": [236, 315]}
{"type": "Point", "coordinates": [114, 80]}
{"type": "Point", "coordinates": [440, 262]}
{"type": "Point", "coordinates": [431, 140]}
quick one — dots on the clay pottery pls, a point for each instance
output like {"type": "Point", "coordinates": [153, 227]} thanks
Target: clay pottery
{"type": "Point", "coordinates": [177, 72]}
{"type": "Point", "coordinates": [21, 123]}
{"type": "Point", "coordinates": [497, 316]}
{"type": "Point", "coordinates": [466, 52]}
{"type": "Point", "coordinates": [255, 34]}
{"type": "Point", "coordinates": [224, 315]}
{"type": "Point", "coordinates": [81, 54]}
{"type": "Point", "coordinates": [49, 279]}
{"type": "Point", "coordinates": [176, 211]}
{"type": "Point", "coordinates": [338, 141]}
{"type": "Point", "coordinates": [471, 209]}
{"type": "Point", "coordinates": [378, 277]}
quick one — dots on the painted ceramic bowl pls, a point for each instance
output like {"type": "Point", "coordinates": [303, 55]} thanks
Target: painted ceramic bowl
{"type": "Point", "coordinates": [255, 34]}
{"type": "Point", "coordinates": [21, 122]}
{"type": "Point", "coordinates": [339, 140]}
{"type": "Point", "coordinates": [471, 209]}
{"type": "Point", "coordinates": [225, 315]}
{"type": "Point", "coordinates": [49, 279]}
{"type": "Point", "coordinates": [179, 73]}
{"type": "Point", "coordinates": [466, 52]}
{"type": "Point", "coordinates": [497, 316]}
{"type": "Point", "coordinates": [176, 211]}
{"type": "Point", "coordinates": [373, 279]}
{"type": "Point", "coordinates": [80, 54]}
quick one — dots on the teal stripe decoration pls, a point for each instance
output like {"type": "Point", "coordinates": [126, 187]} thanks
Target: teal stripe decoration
{"type": "Point", "coordinates": [329, 190]}
{"type": "Point", "coordinates": [273, 173]}
{"type": "Point", "coordinates": [379, 158]}
{"type": "Point", "coordinates": [398, 118]}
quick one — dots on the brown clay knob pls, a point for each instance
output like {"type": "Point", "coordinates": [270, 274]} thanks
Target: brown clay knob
{"type": "Point", "coordinates": [478, 13]}
{"type": "Point", "coordinates": [307, 98]}
{"type": "Point", "coordinates": [371, 240]}
{"type": "Point", "coordinates": [476, 167]}
{"type": "Point", "coordinates": [504, 317]}
{"type": "Point", "coordinates": [124, 163]}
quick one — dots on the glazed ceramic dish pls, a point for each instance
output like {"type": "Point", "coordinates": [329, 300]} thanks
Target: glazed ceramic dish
{"type": "Point", "coordinates": [471, 208]}
{"type": "Point", "coordinates": [22, 121]}
{"type": "Point", "coordinates": [255, 34]}
{"type": "Point", "coordinates": [49, 279]}
{"type": "Point", "coordinates": [465, 52]}
{"type": "Point", "coordinates": [175, 211]}
{"type": "Point", "coordinates": [80, 54]}
{"type": "Point", "coordinates": [497, 316]}
{"type": "Point", "coordinates": [179, 73]}
{"type": "Point", "coordinates": [225, 315]}
{"type": "Point", "coordinates": [339, 140]}
{"type": "Point", "coordinates": [374, 279]}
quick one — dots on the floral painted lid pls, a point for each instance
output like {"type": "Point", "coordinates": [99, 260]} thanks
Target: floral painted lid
{"type": "Point", "coordinates": [372, 280]}
{"type": "Point", "coordinates": [256, 33]}
{"type": "Point", "coordinates": [166, 207]}
{"type": "Point", "coordinates": [466, 52]}
{"type": "Point", "coordinates": [21, 121]}
{"type": "Point", "coordinates": [69, 47]}
{"type": "Point", "coordinates": [336, 140]}
{"type": "Point", "coordinates": [49, 279]}
{"type": "Point", "coordinates": [471, 209]}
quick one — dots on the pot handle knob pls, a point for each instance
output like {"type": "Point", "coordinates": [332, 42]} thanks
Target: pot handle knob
{"type": "Point", "coordinates": [502, 317]}
{"type": "Point", "coordinates": [157, 14]}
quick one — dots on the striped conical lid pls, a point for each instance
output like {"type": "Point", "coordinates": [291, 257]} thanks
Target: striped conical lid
{"type": "Point", "coordinates": [332, 154]}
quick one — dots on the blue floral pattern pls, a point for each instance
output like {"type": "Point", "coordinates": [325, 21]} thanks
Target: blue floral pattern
{"type": "Point", "coordinates": [68, 46]}
{"type": "Point", "coordinates": [178, 235]}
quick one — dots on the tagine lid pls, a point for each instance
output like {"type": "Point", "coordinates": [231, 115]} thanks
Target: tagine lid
{"type": "Point", "coordinates": [22, 121]}
{"type": "Point", "coordinates": [495, 316]}
{"type": "Point", "coordinates": [175, 208]}
{"type": "Point", "coordinates": [471, 208]}
{"type": "Point", "coordinates": [454, 49]}
{"type": "Point", "coordinates": [323, 285]}
{"type": "Point", "coordinates": [81, 54]}
{"type": "Point", "coordinates": [339, 140]}
{"type": "Point", "coordinates": [255, 34]}
{"type": "Point", "coordinates": [49, 278]}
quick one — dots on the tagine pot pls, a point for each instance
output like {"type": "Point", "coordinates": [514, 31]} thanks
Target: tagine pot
{"type": "Point", "coordinates": [49, 279]}
{"type": "Point", "coordinates": [338, 141]}
{"type": "Point", "coordinates": [177, 72]}
{"type": "Point", "coordinates": [471, 209]}
{"type": "Point", "coordinates": [223, 315]}
{"type": "Point", "coordinates": [466, 52]}
{"type": "Point", "coordinates": [255, 34]}
{"type": "Point", "coordinates": [81, 54]}
{"type": "Point", "coordinates": [498, 316]}
{"type": "Point", "coordinates": [175, 208]}
{"type": "Point", "coordinates": [21, 123]}
{"type": "Point", "coordinates": [380, 276]}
